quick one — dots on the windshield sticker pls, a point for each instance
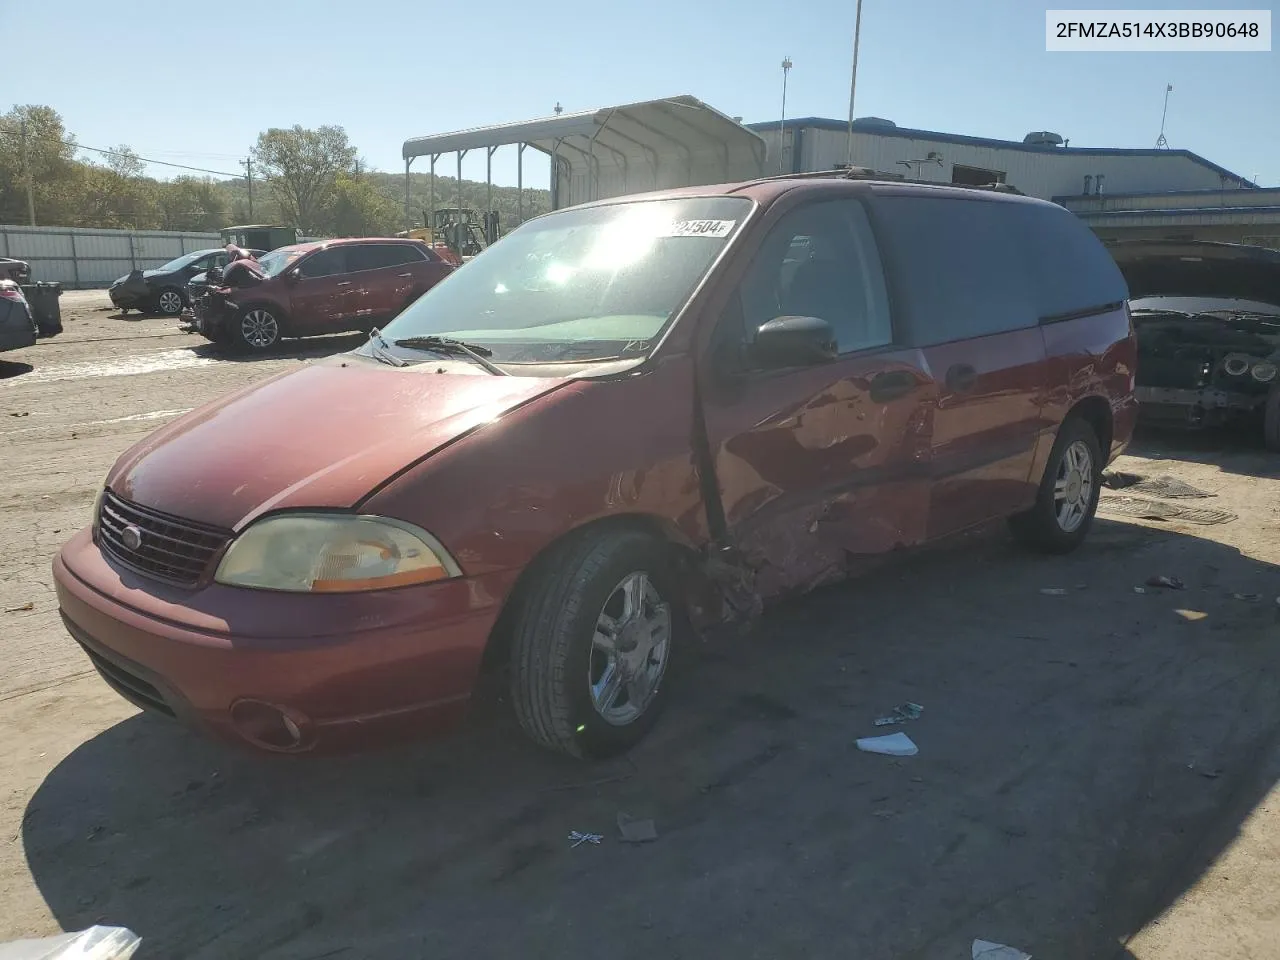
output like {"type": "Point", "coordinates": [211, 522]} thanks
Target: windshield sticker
{"type": "Point", "coordinates": [717, 229]}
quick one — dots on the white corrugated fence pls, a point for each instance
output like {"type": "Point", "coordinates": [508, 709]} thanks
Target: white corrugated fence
{"type": "Point", "coordinates": [82, 258]}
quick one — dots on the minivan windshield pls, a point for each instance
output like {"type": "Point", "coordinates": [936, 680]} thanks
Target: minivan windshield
{"type": "Point", "coordinates": [586, 284]}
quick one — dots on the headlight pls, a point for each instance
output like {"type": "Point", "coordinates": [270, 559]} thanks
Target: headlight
{"type": "Point", "coordinates": [332, 553]}
{"type": "Point", "coordinates": [1263, 372]}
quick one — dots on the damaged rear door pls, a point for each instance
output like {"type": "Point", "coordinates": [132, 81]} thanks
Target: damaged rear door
{"type": "Point", "coordinates": [815, 463]}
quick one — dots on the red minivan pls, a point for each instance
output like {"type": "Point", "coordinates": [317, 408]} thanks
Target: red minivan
{"type": "Point", "coordinates": [309, 289]}
{"type": "Point", "coordinates": [621, 425]}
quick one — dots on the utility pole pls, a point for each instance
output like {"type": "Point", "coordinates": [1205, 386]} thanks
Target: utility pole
{"type": "Point", "coordinates": [853, 85]}
{"type": "Point", "coordinates": [26, 163]}
{"type": "Point", "coordinates": [1161, 142]}
{"type": "Point", "coordinates": [247, 163]}
{"type": "Point", "coordinates": [782, 120]}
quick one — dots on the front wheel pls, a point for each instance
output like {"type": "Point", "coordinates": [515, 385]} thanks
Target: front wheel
{"type": "Point", "coordinates": [593, 641]}
{"type": "Point", "coordinates": [256, 329]}
{"type": "Point", "coordinates": [1068, 496]}
{"type": "Point", "coordinates": [169, 302]}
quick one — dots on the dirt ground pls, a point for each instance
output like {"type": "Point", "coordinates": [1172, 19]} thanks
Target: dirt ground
{"type": "Point", "coordinates": [1096, 775]}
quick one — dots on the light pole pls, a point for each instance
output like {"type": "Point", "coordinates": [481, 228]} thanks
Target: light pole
{"type": "Point", "coordinates": [853, 85]}
{"type": "Point", "coordinates": [782, 123]}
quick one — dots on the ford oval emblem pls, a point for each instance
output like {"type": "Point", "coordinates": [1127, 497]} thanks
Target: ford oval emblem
{"type": "Point", "coordinates": [131, 537]}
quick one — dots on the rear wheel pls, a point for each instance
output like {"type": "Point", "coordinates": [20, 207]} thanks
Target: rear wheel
{"type": "Point", "coordinates": [1271, 421]}
{"type": "Point", "coordinates": [256, 329]}
{"type": "Point", "coordinates": [593, 640]}
{"type": "Point", "coordinates": [169, 302]}
{"type": "Point", "coordinates": [1068, 494]}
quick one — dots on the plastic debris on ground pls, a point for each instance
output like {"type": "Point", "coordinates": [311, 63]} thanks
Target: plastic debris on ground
{"type": "Point", "coordinates": [22, 608]}
{"type": "Point", "coordinates": [892, 745]}
{"type": "Point", "coordinates": [1053, 591]}
{"type": "Point", "coordinates": [1247, 597]}
{"type": "Point", "coordinates": [94, 943]}
{"type": "Point", "coordinates": [1172, 583]}
{"type": "Point", "coordinates": [576, 839]}
{"type": "Point", "coordinates": [1143, 509]}
{"type": "Point", "coordinates": [633, 830]}
{"type": "Point", "coordinates": [1191, 616]}
{"type": "Point", "coordinates": [986, 950]}
{"type": "Point", "coordinates": [1139, 589]}
{"type": "Point", "coordinates": [901, 714]}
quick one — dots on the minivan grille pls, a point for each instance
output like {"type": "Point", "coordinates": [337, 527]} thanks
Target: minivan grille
{"type": "Point", "coordinates": [167, 548]}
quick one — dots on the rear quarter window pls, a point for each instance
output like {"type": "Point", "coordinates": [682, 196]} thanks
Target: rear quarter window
{"type": "Point", "coordinates": [1074, 271]}
{"type": "Point", "coordinates": [960, 267]}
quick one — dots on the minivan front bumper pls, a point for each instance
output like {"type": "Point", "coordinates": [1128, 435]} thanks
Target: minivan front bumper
{"type": "Point", "coordinates": [345, 675]}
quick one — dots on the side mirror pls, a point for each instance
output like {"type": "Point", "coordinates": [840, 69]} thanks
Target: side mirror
{"type": "Point", "coordinates": [793, 342]}
{"type": "Point", "coordinates": [293, 275]}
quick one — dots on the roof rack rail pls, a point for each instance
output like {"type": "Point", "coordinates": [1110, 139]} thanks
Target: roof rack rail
{"type": "Point", "coordinates": [842, 172]}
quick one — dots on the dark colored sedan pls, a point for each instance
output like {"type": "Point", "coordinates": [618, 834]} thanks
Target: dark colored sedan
{"type": "Point", "coordinates": [19, 271]}
{"type": "Point", "coordinates": [164, 289]}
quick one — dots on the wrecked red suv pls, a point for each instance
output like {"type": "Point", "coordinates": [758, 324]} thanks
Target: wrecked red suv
{"type": "Point", "coordinates": [624, 423]}
{"type": "Point", "coordinates": [309, 289]}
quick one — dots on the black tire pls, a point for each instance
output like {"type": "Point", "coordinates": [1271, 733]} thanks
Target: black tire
{"type": "Point", "coordinates": [1041, 528]}
{"type": "Point", "coordinates": [554, 650]}
{"type": "Point", "coordinates": [169, 302]}
{"type": "Point", "coordinates": [256, 328]}
{"type": "Point", "coordinates": [1271, 421]}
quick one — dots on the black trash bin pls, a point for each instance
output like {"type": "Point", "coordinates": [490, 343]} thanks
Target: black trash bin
{"type": "Point", "coordinates": [43, 297]}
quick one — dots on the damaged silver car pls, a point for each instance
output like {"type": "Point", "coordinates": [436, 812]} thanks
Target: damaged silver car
{"type": "Point", "coordinates": [1207, 316]}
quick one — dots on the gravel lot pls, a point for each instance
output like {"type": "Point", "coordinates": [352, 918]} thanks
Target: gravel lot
{"type": "Point", "coordinates": [1095, 776]}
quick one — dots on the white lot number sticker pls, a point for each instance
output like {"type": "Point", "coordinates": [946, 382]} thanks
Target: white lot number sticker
{"type": "Point", "coordinates": [717, 229]}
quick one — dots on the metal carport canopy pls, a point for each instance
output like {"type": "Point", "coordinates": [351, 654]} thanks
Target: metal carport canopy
{"type": "Point", "coordinates": [653, 145]}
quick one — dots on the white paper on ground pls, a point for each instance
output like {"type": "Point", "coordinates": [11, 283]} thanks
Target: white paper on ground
{"type": "Point", "coordinates": [986, 950]}
{"type": "Point", "coordinates": [894, 745]}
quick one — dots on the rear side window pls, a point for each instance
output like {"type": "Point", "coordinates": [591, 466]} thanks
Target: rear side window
{"type": "Point", "coordinates": [375, 256]}
{"type": "Point", "coordinates": [1075, 273]}
{"type": "Point", "coordinates": [962, 268]}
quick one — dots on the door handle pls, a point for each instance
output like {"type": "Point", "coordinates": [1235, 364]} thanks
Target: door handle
{"type": "Point", "coordinates": [961, 378]}
{"type": "Point", "coordinates": [891, 385]}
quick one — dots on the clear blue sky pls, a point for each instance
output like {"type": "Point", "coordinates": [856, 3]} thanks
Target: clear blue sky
{"type": "Point", "coordinates": [195, 82]}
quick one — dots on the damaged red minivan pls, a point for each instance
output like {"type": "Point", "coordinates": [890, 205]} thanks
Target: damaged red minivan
{"type": "Point", "coordinates": [623, 424]}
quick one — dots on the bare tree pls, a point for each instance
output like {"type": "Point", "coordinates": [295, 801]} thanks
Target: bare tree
{"type": "Point", "coordinates": [303, 167]}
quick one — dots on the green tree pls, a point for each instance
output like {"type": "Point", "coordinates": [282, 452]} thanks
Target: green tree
{"type": "Point", "coordinates": [360, 209]}
{"type": "Point", "coordinates": [54, 169]}
{"type": "Point", "coordinates": [188, 203]}
{"type": "Point", "coordinates": [303, 167]}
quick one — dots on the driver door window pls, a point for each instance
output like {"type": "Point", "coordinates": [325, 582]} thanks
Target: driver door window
{"type": "Point", "coordinates": [326, 263]}
{"type": "Point", "coordinates": [820, 260]}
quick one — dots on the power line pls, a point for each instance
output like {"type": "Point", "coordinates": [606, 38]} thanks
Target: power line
{"type": "Point", "coordinates": [134, 156]}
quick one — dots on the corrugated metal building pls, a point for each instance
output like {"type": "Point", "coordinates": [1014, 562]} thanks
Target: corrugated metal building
{"type": "Point", "coordinates": [1120, 192]}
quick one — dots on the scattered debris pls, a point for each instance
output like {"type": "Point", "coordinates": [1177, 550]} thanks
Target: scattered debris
{"type": "Point", "coordinates": [892, 745]}
{"type": "Point", "coordinates": [1191, 616]}
{"type": "Point", "coordinates": [1172, 583]}
{"type": "Point", "coordinates": [632, 830]}
{"type": "Point", "coordinates": [1165, 486]}
{"type": "Point", "coordinates": [986, 950]}
{"type": "Point", "coordinates": [577, 838]}
{"type": "Point", "coordinates": [24, 413]}
{"type": "Point", "coordinates": [1139, 589]}
{"type": "Point", "coordinates": [901, 714]}
{"type": "Point", "coordinates": [1117, 480]}
{"type": "Point", "coordinates": [1248, 597]}
{"type": "Point", "coordinates": [95, 943]}
{"type": "Point", "coordinates": [1053, 591]}
{"type": "Point", "coordinates": [1208, 774]}
{"type": "Point", "coordinates": [29, 605]}
{"type": "Point", "coordinates": [1141, 509]}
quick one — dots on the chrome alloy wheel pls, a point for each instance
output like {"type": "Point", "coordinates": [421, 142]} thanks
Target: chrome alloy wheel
{"type": "Point", "coordinates": [170, 302]}
{"type": "Point", "coordinates": [629, 650]}
{"type": "Point", "coordinates": [259, 328]}
{"type": "Point", "coordinates": [1073, 486]}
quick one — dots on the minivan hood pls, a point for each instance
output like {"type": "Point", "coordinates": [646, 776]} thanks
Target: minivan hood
{"type": "Point", "coordinates": [322, 436]}
{"type": "Point", "coordinates": [1182, 268]}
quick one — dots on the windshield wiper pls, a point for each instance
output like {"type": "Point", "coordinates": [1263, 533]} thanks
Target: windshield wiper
{"type": "Point", "coordinates": [380, 349]}
{"type": "Point", "coordinates": [447, 345]}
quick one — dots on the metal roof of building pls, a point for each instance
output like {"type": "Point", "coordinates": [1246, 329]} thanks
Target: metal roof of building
{"type": "Point", "coordinates": [881, 129]}
{"type": "Point", "coordinates": [682, 124]}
